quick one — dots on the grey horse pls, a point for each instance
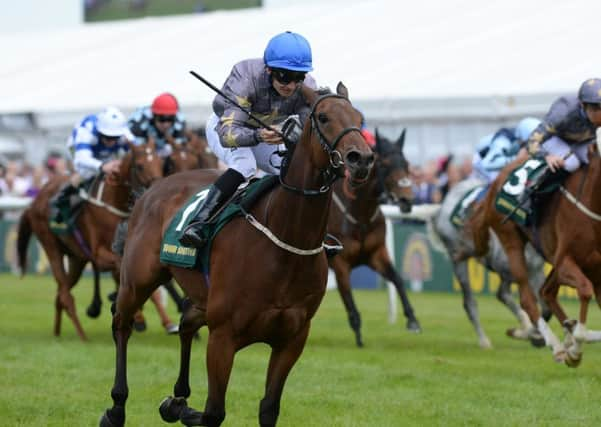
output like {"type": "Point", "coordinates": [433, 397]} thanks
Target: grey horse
{"type": "Point", "coordinates": [455, 242]}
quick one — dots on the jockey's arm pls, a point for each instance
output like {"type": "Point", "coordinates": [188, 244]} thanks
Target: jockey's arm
{"type": "Point", "coordinates": [84, 162]}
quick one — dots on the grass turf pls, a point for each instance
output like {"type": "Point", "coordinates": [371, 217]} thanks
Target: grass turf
{"type": "Point", "coordinates": [440, 377]}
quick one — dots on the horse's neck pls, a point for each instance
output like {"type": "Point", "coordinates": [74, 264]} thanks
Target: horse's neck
{"type": "Point", "coordinates": [584, 184]}
{"type": "Point", "coordinates": [115, 195]}
{"type": "Point", "coordinates": [300, 219]}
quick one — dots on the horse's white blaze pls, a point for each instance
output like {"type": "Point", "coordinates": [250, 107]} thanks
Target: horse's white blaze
{"type": "Point", "coordinates": [404, 182]}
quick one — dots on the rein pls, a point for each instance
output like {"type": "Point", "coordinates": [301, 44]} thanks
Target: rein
{"type": "Point", "coordinates": [330, 173]}
{"type": "Point", "coordinates": [97, 201]}
{"type": "Point", "coordinates": [340, 205]}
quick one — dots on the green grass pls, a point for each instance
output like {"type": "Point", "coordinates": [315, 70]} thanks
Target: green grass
{"type": "Point", "coordinates": [439, 378]}
{"type": "Point", "coordinates": [121, 10]}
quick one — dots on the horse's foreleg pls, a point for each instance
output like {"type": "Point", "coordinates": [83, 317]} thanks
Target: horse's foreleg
{"type": "Point", "coordinates": [127, 303]}
{"type": "Point", "coordinates": [504, 296]}
{"type": "Point", "coordinates": [469, 302]}
{"type": "Point", "coordinates": [570, 273]}
{"type": "Point", "coordinates": [220, 358]}
{"type": "Point", "coordinates": [93, 309]}
{"type": "Point", "coordinates": [283, 357]}
{"type": "Point", "coordinates": [171, 408]}
{"type": "Point", "coordinates": [380, 261]}
{"type": "Point", "coordinates": [343, 270]}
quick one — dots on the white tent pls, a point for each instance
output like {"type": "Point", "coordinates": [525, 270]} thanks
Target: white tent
{"type": "Point", "coordinates": [401, 60]}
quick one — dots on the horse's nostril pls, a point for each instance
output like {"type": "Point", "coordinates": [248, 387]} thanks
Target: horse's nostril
{"type": "Point", "coordinates": [352, 157]}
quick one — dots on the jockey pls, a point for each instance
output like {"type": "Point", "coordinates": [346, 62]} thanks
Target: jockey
{"type": "Point", "coordinates": [162, 121]}
{"type": "Point", "coordinates": [95, 144]}
{"type": "Point", "coordinates": [569, 126]}
{"type": "Point", "coordinates": [270, 88]}
{"type": "Point", "coordinates": [496, 150]}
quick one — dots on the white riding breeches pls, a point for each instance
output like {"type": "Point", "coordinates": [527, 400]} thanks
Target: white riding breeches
{"type": "Point", "coordinates": [559, 147]}
{"type": "Point", "coordinates": [245, 160]}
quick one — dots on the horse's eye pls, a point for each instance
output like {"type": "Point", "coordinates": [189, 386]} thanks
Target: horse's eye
{"type": "Point", "coordinates": [322, 118]}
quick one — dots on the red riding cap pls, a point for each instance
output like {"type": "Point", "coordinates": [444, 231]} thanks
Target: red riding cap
{"type": "Point", "coordinates": [165, 104]}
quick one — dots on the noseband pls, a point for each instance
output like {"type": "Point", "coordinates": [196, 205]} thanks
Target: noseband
{"type": "Point", "coordinates": [330, 174]}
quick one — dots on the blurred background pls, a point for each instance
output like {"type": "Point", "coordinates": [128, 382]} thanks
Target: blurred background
{"type": "Point", "coordinates": [450, 72]}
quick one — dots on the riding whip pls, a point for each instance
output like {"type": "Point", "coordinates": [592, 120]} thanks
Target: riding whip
{"type": "Point", "coordinates": [247, 111]}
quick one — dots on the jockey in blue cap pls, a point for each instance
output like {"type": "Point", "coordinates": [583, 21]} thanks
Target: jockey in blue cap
{"type": "Point", "coordinates": [563, 136]}
{"type": "Point", "coordinates": [496, 150]}
{"type": "Point", "coordinates": [270, 88]}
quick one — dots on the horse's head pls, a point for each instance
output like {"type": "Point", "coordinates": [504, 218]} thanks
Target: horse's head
{"type": "Point", "coordinates": [198, 145]}
{"type": "Point", "coordinates": [142, 165]}
{"type": "Point", "coordinates": [182, 159]}
{"type": "Point", "coordinates": [392, 171]}
{"type": "Point", "coordinates": [337, 146]}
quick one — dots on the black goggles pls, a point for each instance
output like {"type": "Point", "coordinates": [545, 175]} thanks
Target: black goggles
{"type": "Point", "coordinates": [161, 118]}
{"type": "Point", "coordinates": [287, 76]}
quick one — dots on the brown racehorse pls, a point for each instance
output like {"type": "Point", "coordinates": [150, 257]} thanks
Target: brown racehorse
{"type": "Point", "coordinates": [194, 154]}
{"type": "Point", "coordinates": [568, 234]}
{"type": "Point", "coordinates": [96, 224]}
{"type": "Point", "coordinates": [270, 298]}
{"type": "Point", "coordinates": [356, 220]}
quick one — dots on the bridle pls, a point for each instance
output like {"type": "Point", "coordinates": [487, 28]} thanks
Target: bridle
{"type": "Point", "coordinates": [332, 172]}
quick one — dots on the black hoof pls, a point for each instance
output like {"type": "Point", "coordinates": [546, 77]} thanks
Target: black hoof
{"type": "Point", "coordinates": [93, 310]}
{"type": "Point", "coordinates": [537, 340]}
{"type": "Point", "coordinates": [105, 421]}
{"type": "Point", "coordinates": [112, 296]}
{"type": "Point", "coordinates": [190, 417]}
{"type": "Point", "coordinates": [140, 326]}
{"type": "Point", "coordinates": [171, 408]}
{"type": "Point", "coordinates": [359, 342]}
{"type": "Point", "coordinates": [413, 326]}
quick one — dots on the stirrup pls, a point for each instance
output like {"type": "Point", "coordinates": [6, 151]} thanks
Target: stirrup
{"type": "Point", "coordinates": [191, 236]}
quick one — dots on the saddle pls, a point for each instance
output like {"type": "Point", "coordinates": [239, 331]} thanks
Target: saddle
{"type": "Point", "coordinates": [173, 253]}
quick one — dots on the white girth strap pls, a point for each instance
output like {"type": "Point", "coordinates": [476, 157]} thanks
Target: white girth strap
{"type": "Point", "coordinates": [253, 221]}
{"type": "Point", "coordinates": [579, 204]}
{"type": "Point", "coordinates": [97, 201]}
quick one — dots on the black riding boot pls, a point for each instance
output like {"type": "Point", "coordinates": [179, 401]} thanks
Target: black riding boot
{"type": "Point", "coordinates": [220, 192]}
{"type": "Point", "coordinates": [532, 187]}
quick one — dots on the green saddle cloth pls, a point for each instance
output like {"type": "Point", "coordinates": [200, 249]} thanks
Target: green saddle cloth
{"type": "Point", "coordinates": [506, 201]}
{"type": "Point", "coordinates": [174, 253]}
{"type": "Point", "coordinates": [460, 211]}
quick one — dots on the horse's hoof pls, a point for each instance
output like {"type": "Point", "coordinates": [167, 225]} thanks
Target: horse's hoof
{"type": "Point", "coordinates": [190, 417]}
{"type": "Point", "coordinates": [172, 329]}
{"type": "Point", "coordinates": [560, 356]}
{"type": "Point", "coordinates": [171, 408]}
{"type": "Point", "coordinates": [359, 342]}
{"type": "Point", "coordinates": [413, 326]}
{"type": "Point", "coordinates": [93, 311]}
{"type": "Point", "coordinates": [112, 296]}
{"type": "Point", "coordinates": [140, 326]}
{"type": "Point", "coordinates": [105, 421]}
{"type": "Point", "coordinates": [537, 340]}
{"type": "Point", "coordinates": [517, 333]}
{"type": "Point", "coordinates": [573, 361]}
{"type": "Point", "coordinates": [485, 343]}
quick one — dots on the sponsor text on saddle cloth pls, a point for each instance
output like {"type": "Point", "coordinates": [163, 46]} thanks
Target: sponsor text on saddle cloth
{"type": "Point", "coordinates": [174, 253]}
{"type": "Point", "coordinates": [461, 209]}
{"type": "Point", "coordinates": [506, 201]}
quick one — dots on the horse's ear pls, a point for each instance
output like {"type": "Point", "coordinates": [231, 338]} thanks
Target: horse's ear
{"type": "Point", "coordinates": [309, 94]}
{"type": "Point", "coordinates": [401, 141]}
{"type": "Point", "coordinates": [342, 90]}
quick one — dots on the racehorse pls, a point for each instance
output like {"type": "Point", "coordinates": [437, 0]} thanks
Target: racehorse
{"type": "Point", "coordinates": [356, 220]}
{"type": "Point", "coordinates": [568, 234]}
{"type": "Point", "coordinates": [194, 154]}
{"type": "Point", "coordinates": [270, 299]}
{"type": "Point", "coordinates": [455, 241]}
{"type": "Point", "coordinates": [91, 241]}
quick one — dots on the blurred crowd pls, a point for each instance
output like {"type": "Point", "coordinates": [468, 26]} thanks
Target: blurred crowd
{"type": "Point", "coordinates": [18, 178]}
{"type": "Point", "coordinates": [432, 180]}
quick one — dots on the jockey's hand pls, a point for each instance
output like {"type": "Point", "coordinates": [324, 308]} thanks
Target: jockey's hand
{"type": "Point", "coordinates": [554, 162]}
{"type": "Point", "coordinates": [270, 137]}
{"type": "Point", "coordinates": [111, 167]}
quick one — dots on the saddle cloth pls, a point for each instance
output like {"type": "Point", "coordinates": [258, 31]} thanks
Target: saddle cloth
{"type": "Point", "coordinates": [174, 253]}
{"type": "Point", "coordinates": [461, 209]}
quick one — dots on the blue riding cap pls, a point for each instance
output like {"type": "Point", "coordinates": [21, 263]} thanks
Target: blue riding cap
{"type": "Point", "coordinates": [525, 127]}
{"type": "Point", "coordinates": [590, 92]}
{"type": "Point", "coordinates": [289, 51]}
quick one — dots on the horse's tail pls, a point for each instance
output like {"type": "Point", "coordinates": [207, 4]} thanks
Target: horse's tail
{"type": "Point", "coordinates": [23, 237]}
